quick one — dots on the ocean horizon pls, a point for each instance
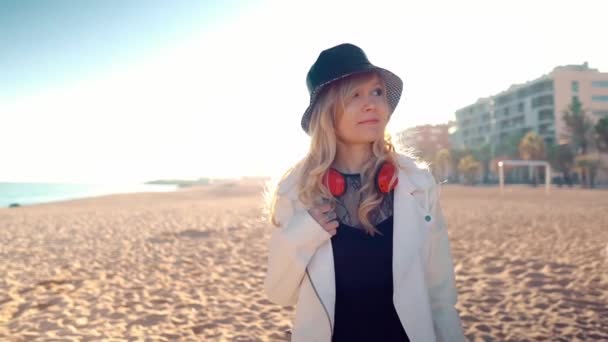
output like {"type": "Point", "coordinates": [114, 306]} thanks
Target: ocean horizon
{"type": "Point", "coordinates": [37, 193]}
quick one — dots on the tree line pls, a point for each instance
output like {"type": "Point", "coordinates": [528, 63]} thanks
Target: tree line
{"type": "Point", "coordinates": [579, 156]}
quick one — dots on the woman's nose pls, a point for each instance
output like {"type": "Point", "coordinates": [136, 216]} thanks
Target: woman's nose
{"type": "Point", "coordinates": [369, 104]}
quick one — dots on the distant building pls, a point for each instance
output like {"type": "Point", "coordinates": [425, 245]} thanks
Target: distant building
{"type": "Point", "coordinates": [536, 105]}
{"type": "Point", "coordinates": [427, 139]}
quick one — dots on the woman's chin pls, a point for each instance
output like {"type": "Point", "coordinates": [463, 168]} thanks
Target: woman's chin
{"type": "Point", "coordinates": [362, 136]}
{"type": "Point", "coordinates": [371, 136]}
{"type": "Point", "coordinates": [364, 140]}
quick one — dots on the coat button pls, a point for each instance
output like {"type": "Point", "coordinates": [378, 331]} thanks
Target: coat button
{"type": "Point", "coordinates": [427, 218]}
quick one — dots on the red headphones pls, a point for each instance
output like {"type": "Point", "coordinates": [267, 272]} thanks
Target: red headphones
{"type": "Point", "coordinates": [336, 184]}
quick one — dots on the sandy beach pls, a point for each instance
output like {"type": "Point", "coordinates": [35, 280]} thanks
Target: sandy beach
{"type": "Point", "coordinates": [189, 265]}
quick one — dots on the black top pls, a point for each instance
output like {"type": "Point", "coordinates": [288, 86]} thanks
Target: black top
{"type": "Point", "coordinates": [364, 309]}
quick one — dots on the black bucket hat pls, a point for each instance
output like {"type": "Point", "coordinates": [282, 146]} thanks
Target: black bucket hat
{"type": "Point", "coordinates": [342, 61]}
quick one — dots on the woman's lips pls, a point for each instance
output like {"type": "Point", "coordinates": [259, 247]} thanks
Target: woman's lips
{"type": "Point", "coordinates": [369, 121]}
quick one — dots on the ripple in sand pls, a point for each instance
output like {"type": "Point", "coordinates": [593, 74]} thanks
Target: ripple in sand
{"type": "Point", "coordinates": [535, 283]}
{"type": "Point", "coordinates": [159, 240]}
{"type": "Point", "coordinates": [194, 234]}
{"type": "Point", "coordinates": [149, 320]}
{"type": "Point", "coordinates": [517, 271]}
{"type": "Point", "coordinates": [199, 329]}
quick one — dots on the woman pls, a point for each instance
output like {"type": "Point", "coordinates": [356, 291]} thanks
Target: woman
{"type": "Point", "coordinates": [361, 246]}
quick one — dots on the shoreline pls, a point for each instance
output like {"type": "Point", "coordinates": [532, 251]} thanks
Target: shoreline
{"type": "Point", "coordinates": [39, 196]}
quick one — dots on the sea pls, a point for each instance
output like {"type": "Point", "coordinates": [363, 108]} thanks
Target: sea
{"type": "Point", "coordinates": [34, 193]}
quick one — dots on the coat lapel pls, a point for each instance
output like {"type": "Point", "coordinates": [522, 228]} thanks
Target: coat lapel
{"type": "Point", "coordinates": [410, 229]}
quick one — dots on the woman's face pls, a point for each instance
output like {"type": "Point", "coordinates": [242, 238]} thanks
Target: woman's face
{"type": "Point", "coordinates": [365, 113]}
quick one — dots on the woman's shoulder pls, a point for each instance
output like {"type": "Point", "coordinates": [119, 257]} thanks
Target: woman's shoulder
{"type": "Point", "coordinates": [410, 162]}
{"type": "Point", "coordinates": [417, 169]}
{"type": "Point", "coordinates": [280, 195]}
{"type": "Point", "coordinates": [286, 185]}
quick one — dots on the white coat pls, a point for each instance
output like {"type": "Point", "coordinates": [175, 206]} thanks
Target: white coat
{"type": "Point", "coordinates": [300, 268]}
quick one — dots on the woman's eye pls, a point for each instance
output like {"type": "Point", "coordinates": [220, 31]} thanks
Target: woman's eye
{"type": "Point", "coordinates": [378, 91]}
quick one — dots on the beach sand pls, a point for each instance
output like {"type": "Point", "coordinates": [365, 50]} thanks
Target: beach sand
{"type": "Point", "coordinates": [189, 265]}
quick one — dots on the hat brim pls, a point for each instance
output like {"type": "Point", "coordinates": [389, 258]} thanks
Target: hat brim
{"type": "Point", "coordinates": [394, 89]}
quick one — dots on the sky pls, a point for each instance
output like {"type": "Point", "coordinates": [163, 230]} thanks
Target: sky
{"type": "Point", "coordinates": [132, 91]}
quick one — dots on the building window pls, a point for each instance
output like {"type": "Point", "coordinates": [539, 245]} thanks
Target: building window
{"type": "Point", "coordinates": [545, 114]}
{"type": "Point", "coordinates": [599, 98]}
{"type": "Point", "coordinates": [540, 87]}
{"type": "Point", "coordinates": [599, 84]}
{"type": "Point", "coordinates": [520, 107]}
{"type": "Point", "coordinates": [506, 113]}
{"type": "Point", "coordinates": [545, 100]}
{"type": "Point", "coordinates": [575, 99]}
{"type": "Point", "coordinates": [545, 129]}
{"type": "Point", "coordinates": [575, 86]}
{"type": "Point", "coordinates": [503, 99]}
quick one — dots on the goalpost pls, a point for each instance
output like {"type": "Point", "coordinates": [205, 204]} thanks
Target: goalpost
{"type": "Point", "coordinates": [525, 163]}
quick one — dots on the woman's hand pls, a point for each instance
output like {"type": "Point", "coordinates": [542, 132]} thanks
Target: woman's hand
{"type": "Point", "coordinates": [325, 215]}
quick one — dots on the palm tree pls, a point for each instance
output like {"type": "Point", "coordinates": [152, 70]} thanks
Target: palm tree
{"type": "Point", "coordinates": [469, 167]}
{"type": "Point", "coordinates": [561, 158]}
{"type": "Point", "coordinates": [507, 148]}
{"type": "Point", "coordinates": [601, 130]}
{"type": "Point", "coordinates": [579, 131]}
{"type": "Point", "coordinates": [591, 164]}
{"type": "Point", "coordinates": [484, 155]}
{"type": "Point", "coordinates": [456, 155]}
{"type": "Point", "coordinates": [532, 147]}
{"type": "Point", "coordinates": [579, 126]}
{"type": "Point", "coordinates": [508, 145]}
{"type": "Point", "coordinates": [442, 163]}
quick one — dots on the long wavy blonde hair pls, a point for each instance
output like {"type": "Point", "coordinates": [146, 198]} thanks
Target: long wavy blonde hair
{"type": "Point", "coordinates": [322, 152]}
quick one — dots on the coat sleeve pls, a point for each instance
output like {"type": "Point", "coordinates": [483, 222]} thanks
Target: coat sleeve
{"type": "Point", "coordinates": [290, 249]}
{"type": "Point", "coordinates": [440, 276]}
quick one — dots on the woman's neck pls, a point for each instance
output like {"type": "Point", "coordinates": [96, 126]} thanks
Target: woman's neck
{"type": "Point", "coordinates": [351, 158]}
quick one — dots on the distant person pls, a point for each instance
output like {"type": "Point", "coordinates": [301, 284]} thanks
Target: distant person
{"type": "Point", "coordinates": [558, 180]}
{"type": "Point", "coordinates": [568, 179]}
{"type": "Point", "coordinates": [361, 247]}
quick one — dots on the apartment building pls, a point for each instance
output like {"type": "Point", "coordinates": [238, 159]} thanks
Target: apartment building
{"type": "Point", "coordinates": [537, 105]}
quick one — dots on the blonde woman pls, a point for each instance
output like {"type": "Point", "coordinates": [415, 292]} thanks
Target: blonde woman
{"type": "Point", "coordinates": [361, 247]}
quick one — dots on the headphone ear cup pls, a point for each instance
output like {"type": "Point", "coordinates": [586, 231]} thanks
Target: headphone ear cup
{"type": "Point", "coordinates": [335, 182]}
{"type": "Point", "coordinates": [384, 176]}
